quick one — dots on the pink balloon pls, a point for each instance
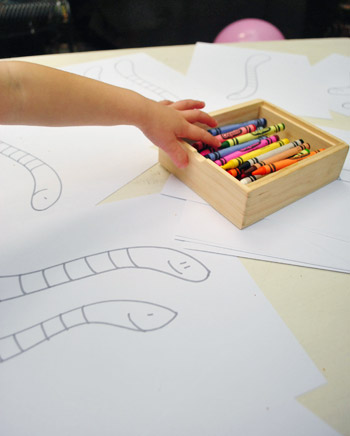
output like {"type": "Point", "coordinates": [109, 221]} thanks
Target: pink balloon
{"type": "Point", "coordinates": [249, 29]}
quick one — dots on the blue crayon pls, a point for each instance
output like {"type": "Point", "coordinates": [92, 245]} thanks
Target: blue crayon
{"type": "Point", "coordinates": [260, 122]}
{"type": "Point", "coordinates": [225, 151]}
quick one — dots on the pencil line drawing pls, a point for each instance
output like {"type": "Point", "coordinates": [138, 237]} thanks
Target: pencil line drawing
{"type": "Point", "coordinates": [94, 72]}
{"type": "Point", "coordinates": [126, 69]}
{"type": "Point", "coordinates": [139, 316]}
{"type": "Point", "coordinates": [160, 259]}
{"type": "Point", "coordinates": [251, 77]}
{"type": "Point", "coordinates": [47, 184]}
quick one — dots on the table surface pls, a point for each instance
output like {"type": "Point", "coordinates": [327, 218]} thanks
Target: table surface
{"type": "Point", "coordinates": [315, 304]}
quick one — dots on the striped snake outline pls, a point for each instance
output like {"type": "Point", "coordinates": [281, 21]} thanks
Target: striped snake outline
{"type": "Point", "coordinates": [47, 184]}
{"type": "Point", "coordinates": [160, 259]}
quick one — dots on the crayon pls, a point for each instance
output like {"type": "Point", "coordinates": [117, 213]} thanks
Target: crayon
{"type": "Point", "coordinates": [236, 172]}
{"type": "Point", "coordinates": [250, 179]}
{"type": "Point", "coordinates": [260, 122]}
{"type": "Point", "coordinates": [278, 165]}
{"type": "Point", "coordinates": [234, 163]}
{"type": "Point", "coordinates": [260, 144]}
{"type": "Point", "coordinates": [237, 132]}
{"type": "Point", "coordinates": [254, 146]}
{"type": "Point", "coordinates": [200, 146]}
{"type": "Point", "coordinates": [259, 132]}
{"type": "Point", "coordinates": [221, 152]}
{"type": "Point", "coordinates": [207, 151]}
{"type": "Point", "coordinates": [255, 159]}
{"type": "Point", "coordinates": [275, 157]}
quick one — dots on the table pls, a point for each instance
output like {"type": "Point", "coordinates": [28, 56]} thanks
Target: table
{"type": "Point", "coordinates": [315, 304]}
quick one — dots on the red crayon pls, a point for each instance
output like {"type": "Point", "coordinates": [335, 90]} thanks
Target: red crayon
{"type": "Point", "coordinates": [200, 146]}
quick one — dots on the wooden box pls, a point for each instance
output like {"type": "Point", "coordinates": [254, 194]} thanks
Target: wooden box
{"type": "Point", "coordinates": [243, 204]}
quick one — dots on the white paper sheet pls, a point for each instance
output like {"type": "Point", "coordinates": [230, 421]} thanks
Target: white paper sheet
{"type": "Point", "coordinates": [289, 419]}
{"type": "Point", "coordinates": [73, 166]}
{"type": "Point", "coordinates": [333, 74]}
{"type": "Point", "coordinates": [140, 73]}
{"type": "Point", "coordinates": [236, 75]}
{"type": "Point", "coordinates": [79, 363]}
{"type": "Point", "coordinates": [321, 238]}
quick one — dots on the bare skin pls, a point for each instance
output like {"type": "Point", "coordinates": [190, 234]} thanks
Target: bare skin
{"type": "Point", "coordinates": [33, 94]}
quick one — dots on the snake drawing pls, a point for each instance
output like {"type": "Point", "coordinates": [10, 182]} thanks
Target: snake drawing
{"type": "Point", "coordinates": [139, 316]}
{"type": "Point", "coordinates": [164, 260]}
{"type": "Point", "coordinates": [251, 78]}
{"type": "Point", "coordinates": [47, 184]}
{"type": "Point", "coordinates": [125, 68]}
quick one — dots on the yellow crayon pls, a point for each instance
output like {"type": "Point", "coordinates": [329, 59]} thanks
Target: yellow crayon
{"type": "Point", "coordinates": [263, 131]}
{"type": "Point", "coordinates": [234, 163]}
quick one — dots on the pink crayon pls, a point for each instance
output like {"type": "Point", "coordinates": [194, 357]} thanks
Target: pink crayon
{"type": "Point", "coordinates": [262, 143]}
{"type": "Point", "coordinates": [237, 132]}
{"type": "Point", "coordinates": [207, 151]}
{"type": "Point", "coordinates": [200, 146]}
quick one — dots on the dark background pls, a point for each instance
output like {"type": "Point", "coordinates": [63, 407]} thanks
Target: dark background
{"type": "Point", "coordinates": [42, 27]}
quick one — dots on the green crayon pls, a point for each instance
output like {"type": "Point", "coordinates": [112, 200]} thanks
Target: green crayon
{"type": "Point", "coordinates": [263, 131]}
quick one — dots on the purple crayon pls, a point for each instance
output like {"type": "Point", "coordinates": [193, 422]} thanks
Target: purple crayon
{"type": "Point", "coordinates": [245, 150]}
{"type": "Point", "coordinates": [221, 152]}
{"type": "Point", "coordinates": [259, 122]}
{"type": "Point", "coordinates": [256, 146]}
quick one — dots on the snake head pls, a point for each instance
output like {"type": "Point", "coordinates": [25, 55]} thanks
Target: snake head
{"type": "Point", "coordinates": [136, 315]}
{"type": "Point", "coordinates": [169, 261]}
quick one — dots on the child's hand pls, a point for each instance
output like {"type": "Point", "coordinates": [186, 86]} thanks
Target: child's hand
{"type": "Point", "coordinates": [167, 123]}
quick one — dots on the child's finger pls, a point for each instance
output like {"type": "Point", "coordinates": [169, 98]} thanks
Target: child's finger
{"type": "Point", "coordinates": [188, 104]}
{"type": "Point", "coordinates": [195, 116]}
{"type": "Point", "coordinates": [166, 102]}
{"type": "Point", "coordinates": [177, 154]}
{"type": "Point", "coordinates": [198, 134]}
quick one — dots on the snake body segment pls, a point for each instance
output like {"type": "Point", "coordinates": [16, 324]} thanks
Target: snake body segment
{"type": "Point", "coordinates": [47, 184]}
{"type": "Point", "coordinates": [163, 260]}
{"type": "Point", "coordinates": [139, 316]}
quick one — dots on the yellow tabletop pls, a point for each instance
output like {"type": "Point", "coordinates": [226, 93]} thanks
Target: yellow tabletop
{"type": "Point", "coordinates": [315, 304]}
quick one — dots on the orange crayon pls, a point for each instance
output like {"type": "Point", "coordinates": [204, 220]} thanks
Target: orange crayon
{"type": "Point", "coordinates": [236, 172]}
{"type": "Point", "coordinates": [280, 156]}
{"type": "Point", "coordinates": [278, 165]}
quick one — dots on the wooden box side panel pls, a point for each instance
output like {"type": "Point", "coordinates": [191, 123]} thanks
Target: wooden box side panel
{"type": "Point", "coordinates": [219, 189]}
{"type": "Point", "coordinates": [279, 189]}
{"type": "Point", "coordinates": [297, 128]}
{"type": "Point", "coordinates": [245, 204]}
{"type": "Point", "coordinates": [238, 113]}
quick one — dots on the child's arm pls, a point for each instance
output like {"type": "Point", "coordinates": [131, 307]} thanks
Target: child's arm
{"type": "Point", "coordinates": [32, 94]}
